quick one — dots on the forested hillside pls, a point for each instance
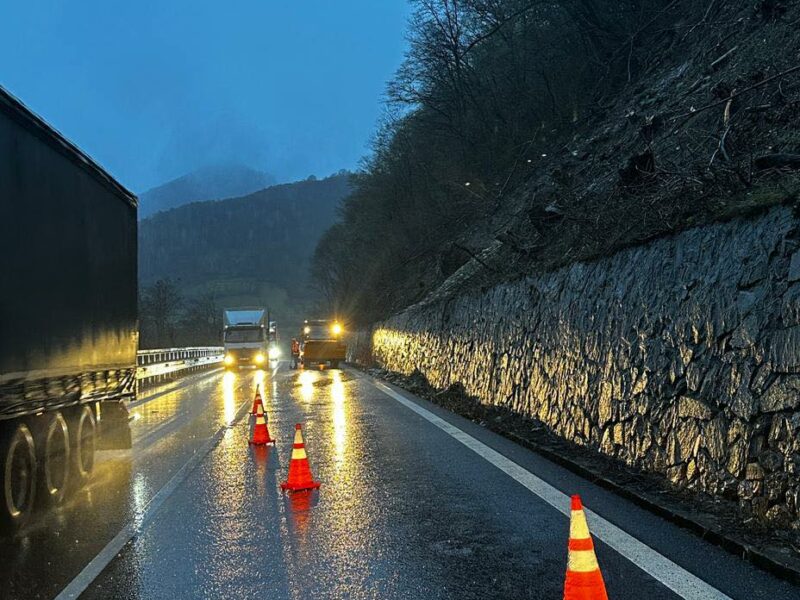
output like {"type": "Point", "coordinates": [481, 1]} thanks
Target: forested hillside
{"type": "Point", "coordinates": [529, 134]}
{"type": "Point", "coordinates": [253, 250]}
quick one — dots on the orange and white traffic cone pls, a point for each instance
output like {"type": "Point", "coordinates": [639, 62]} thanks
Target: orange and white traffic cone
{"type": "Point", "coordinates": [299, 471]}
{"type": "Point", "coordinates": [584, 580]}
{"type": "Point", "coordinates": [260, 430]}
{"type": "Point", "coordinates": [257, 401]}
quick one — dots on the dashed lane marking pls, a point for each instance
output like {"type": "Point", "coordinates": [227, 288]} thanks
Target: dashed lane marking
{"type": "Point", "coordinates": [659, 567]}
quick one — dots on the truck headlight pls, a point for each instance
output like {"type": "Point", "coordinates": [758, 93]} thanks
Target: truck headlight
{"type": "Point", "coordinates": [306, 330]}
{"type": "Point", "coordinates": [229, 359]}
{"type": "Point", "coordinates": [274, 353]}
{"type": "Point", "coordinates": [336, 329]}
{"type": "Point", "coordinates": [259, 358]}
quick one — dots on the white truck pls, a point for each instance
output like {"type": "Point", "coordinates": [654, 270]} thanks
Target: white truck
{"type": "Point", "coordinates": [245, 337]}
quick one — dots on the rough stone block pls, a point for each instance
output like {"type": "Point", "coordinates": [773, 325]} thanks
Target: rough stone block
{"type": "Point", "coordinates": [714, 438]}
{"type": "Point", "coordinates": [770, 460]}
{"type": "Point", "coordinates": [785, 349]}
{"type": "Point", "coordinates": [692, 408]}
{"type": "Point", "coordinates": [746, 334]}
{"type": "Point", "coordinates": [794, 267]}
{"type": "Point", "coordinates": [783, 394]}
{"type": "Point", "coordinates": [754, 472]}
{"type": "Point", "coordinates": [790, 306]}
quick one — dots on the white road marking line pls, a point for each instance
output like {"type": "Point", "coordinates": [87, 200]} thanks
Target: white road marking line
{"type": "Point", "coordinates": [676, 578]}
{"type": "Point", "coordinates": [92, 570]}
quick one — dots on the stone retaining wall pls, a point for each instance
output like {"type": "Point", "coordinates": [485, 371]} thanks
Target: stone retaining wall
{"type": "Point", "coordinates": [680, 357]}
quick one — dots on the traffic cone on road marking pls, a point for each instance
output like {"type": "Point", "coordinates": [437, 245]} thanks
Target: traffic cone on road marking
{"type": "Point", "coordinates": [584, 580]}
{"type": "Point", "coordinates": [299, 471]}
{"type": "Point", "coordinates": [260, 431]}
{"type": "Point", "coordinates": [257, 402]}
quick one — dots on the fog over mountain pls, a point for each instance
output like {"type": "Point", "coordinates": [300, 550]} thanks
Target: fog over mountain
{"type": "Point", "coordinates": [207, 183]}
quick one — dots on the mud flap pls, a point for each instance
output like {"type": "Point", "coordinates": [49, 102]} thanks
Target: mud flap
{"type": "Point", "coordinates": [115, 431]}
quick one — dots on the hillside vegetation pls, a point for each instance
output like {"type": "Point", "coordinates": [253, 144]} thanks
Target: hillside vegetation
{"type": "Point", "coordinates": [255, 250]}
{"type": "Point", "coordinates": [529, 134]}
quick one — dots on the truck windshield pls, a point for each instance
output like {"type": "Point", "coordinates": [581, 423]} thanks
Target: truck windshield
{"type": "Point", "coordinates": [244, 334]}
{"type": "Point", "coordinates": [318, 332]}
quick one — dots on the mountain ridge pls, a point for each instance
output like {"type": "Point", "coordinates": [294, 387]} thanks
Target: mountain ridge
{"type": "Point", "coordinates": [250, 250]}
{"type": "Point", "coordinates": [212, 182]}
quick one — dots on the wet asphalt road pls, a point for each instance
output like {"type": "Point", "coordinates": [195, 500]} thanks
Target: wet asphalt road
{"type": "Point", "coordinates": [405, 509]}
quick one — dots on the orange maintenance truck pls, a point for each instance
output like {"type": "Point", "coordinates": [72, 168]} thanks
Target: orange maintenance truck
{"type": "Point", "coordinates": [321, 342]}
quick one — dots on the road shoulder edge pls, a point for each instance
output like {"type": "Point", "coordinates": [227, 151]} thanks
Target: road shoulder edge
{"type": "Point", "coordinates": [766, 561]}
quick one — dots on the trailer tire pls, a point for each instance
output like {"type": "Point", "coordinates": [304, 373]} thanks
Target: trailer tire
{"type": "Point", "coordinates": [83, 434]}
{"type": "Point", "coordinates": [53, 444]}
{"type": "Point", "coordinates": [17, 476]}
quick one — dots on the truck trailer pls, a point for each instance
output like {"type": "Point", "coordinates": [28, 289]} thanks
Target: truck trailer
{"type": "Point", "coordinates": [68, 313]}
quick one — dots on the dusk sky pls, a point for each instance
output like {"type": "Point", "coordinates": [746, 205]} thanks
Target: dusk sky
{"type": "Point", "coordinates": [155, 89]}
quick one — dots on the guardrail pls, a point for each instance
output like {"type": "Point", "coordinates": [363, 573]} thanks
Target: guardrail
{"type": "Point", "coordinates": [168, 361]}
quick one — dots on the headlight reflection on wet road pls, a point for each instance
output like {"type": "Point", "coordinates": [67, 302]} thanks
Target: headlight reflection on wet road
{"type": "Point", "coordinates": [258, 380]}
{"type": "Point", "coordinates": [141, 496]}
{"type": "Point", "coordinates": [339, 418]}
{"type": "Point", "coordinates": [229, 396]}
{"type": "Point", "coordinates": [307, 379]}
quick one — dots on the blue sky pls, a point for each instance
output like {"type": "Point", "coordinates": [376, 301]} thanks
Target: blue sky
{"type": "Point", "coordinates": [154, 89]}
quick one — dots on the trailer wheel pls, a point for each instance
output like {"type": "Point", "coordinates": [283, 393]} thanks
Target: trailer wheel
{"type": "Point", "coordinates": [83, 431]}
{"type": "Point", "coordinates": [52, 440]}
{"type": "Point", "coordinates": [17, 476]}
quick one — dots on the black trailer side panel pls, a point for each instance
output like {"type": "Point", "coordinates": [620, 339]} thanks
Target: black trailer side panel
{"type": "Point", "coordinates": [68, 316]}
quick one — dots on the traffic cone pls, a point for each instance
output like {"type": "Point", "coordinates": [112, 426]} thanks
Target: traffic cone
{"type": "Point", "coordinates": [584, 580]}
{"type": "Point", "coordinates": [299, 472]}
{"type": "Point", "coordinates": [260, 431]}
{"type": "Point", "coordinates": [257, 402]}
{"type": "Point", "coordinates": [259, 410]}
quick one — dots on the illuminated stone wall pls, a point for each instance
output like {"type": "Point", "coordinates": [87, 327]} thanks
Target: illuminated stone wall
{"type": "Point", "coordinates": [681, 356]}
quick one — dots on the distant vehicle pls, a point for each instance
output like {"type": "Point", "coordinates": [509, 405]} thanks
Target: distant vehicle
{"type": "Point", "coordinates": [274, 351]}
{"type": "Point", "coordinates": [321, 342]}
{"type": "Point", "coordinates": [295, 353]}
{"type": "Point", "coordinates": [68, 315]}
{"type": "Point", "coordinates": [245, 337]}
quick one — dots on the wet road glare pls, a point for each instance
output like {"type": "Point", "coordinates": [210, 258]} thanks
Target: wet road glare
{"type": "Point", "coordinates": [167, 421]}
{"type": "Point", "coordinates": [404, 511]}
